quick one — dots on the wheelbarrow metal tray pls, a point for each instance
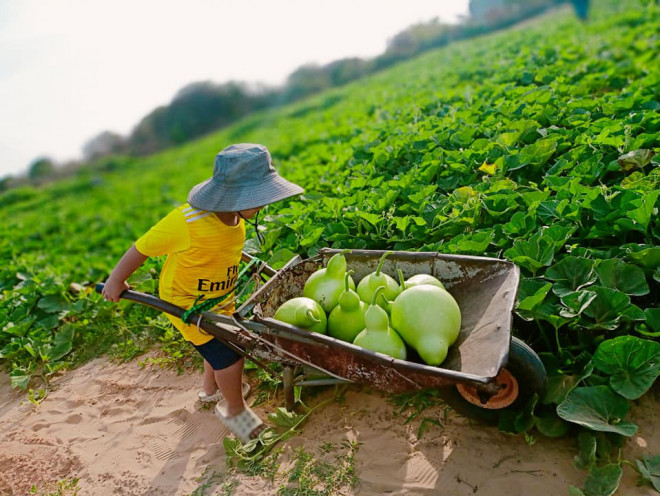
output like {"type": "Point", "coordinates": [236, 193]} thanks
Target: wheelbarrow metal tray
{"type": "Point", "coordinates": [484, 288]}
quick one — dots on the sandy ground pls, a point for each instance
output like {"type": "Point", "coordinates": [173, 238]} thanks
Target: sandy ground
{"type": "Point", "coordinates": [126, 430]}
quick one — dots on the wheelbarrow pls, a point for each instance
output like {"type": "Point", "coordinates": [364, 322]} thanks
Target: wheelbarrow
{"type": "Point", "coordinates": [486, 370]}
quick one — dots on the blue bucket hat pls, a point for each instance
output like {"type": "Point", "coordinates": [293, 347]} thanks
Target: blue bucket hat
{"type": "Point", "coordinates": [243, 178]}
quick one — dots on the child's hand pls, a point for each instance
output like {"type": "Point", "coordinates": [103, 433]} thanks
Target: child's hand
{"type": "Point", "coordinates": [113, 289]}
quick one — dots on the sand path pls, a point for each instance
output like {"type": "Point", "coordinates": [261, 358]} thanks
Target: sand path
{"type": "Point", "coordinates": [126, 430]}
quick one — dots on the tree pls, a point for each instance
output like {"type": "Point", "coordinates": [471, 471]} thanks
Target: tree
{"type": "Point", "coordinates": [105, 143]}
{"type": "Point", "coordinates": [40, 169]}
{"type": "Point", "coordinates": [305, 80]}
{"type": "Point", "coordinates": [196, 109]}
{"type": "Point", "coordinates": [5, 183]}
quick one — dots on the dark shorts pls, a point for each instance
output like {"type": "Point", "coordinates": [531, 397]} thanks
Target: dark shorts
{"type": "Point", "coordinates": [219, 355]}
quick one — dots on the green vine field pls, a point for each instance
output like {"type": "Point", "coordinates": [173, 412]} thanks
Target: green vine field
{"type": "Point", "coordinates": [538, 145]}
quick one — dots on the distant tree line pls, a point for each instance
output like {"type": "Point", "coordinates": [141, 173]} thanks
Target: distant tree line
{"type": "Point", "coordinates": [203, 107]}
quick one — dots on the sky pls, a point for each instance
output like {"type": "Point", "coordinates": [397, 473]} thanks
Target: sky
{"type": "Point", "coordinates": [70, 69]}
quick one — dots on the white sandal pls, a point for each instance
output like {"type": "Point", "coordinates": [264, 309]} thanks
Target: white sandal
{"type": "Point", "coordinates": [217, 396]}
{"type": "Point", "coordinates": [241, 425]}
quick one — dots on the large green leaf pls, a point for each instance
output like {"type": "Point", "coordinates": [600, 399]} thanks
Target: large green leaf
{"type": "Point", "coordinates": [648, 257]}
{"type": "Point", "coordinates": [520, 224]}
{"type": "Point", "coordinates": [609, 307]}
{"type": "Point", "coordinates": [632, 363]}
{"type": "Point", "coordinates": [576, 302]}
{"type": "Point", "coordinates": [531, 294]}
{"type": "Point", "coordinates": [550, 425]}
{"type": "Point", "coordinates": [52, 303]}
{"type": "Point", "coordinates": [533, 253]}
{"type": "Point", "coordinates": [62, 343]}
{"type": "Point", "coordinates": [598, 408]}
{"type": "Point", "coordinates": [538, 153]}
{"type": "Point", "coordinates": [636, 159]}
{"type": "Point", "coordinates": [603, 481]}
{"type": "Point", "coordinates": [627, 278]}
{"type": "Point", "coordinates": [571, 274]}
{"type": "Point", "coordinates": [645, 212]}
{"type": "Point", "coordinates": [653, 318]}
{"type": "Point", "coordinates": [649, 469]}
{"type": "Point", "coordinates": [586, 457]}
{"type": "Point", "coordinates": [19, 378]}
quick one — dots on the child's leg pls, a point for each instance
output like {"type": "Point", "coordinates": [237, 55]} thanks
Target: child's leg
{"type": "Point", "coordinates": [209, 385]}
{"type": "Point", "coordinates": [230, 381]}
{"type": "Point", "coordinates": [227, 368]}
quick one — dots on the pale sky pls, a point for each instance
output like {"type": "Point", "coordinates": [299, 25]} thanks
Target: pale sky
{"type": "Point", "coordinates": [70, 69]}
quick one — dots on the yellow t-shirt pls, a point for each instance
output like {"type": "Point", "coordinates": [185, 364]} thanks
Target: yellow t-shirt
{"type": "Point", "coordinates": [203, 255]}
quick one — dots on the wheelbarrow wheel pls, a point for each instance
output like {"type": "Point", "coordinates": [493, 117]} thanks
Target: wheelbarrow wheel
{"type": "Point", "coordinates": [523, 376]}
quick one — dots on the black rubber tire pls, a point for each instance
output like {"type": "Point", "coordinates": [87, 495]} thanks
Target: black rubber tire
{"type": "Point", "coordinates": [526, 366]}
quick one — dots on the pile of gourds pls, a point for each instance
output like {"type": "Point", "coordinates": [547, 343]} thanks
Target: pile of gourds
{"type": "Point", "coordinates": [380, 314]}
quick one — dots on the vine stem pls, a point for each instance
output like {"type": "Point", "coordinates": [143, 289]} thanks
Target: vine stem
{"type": "Point", "coordinates": [544, 338]}
{"type": "Point", "coordinates": [270, 444]}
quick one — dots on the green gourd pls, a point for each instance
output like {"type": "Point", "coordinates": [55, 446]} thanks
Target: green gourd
{"type": "Point", "coordinates": [304, 313]}
{"type": "Point", "coordinates": [369, 284]}
{"type": "Point", "coordinates": [377, 334]}
{"type": "Point", "coordinates": [419, 279]}
{"type": "Point", "coordinates": [347, 319]}
{"type": "Point", "coordinates": [325, 285]}
{"type": "Point", "coordinates": [428, 319]}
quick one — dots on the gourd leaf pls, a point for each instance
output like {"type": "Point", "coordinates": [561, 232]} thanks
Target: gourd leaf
{"type": "Point", "coordinates": [632, 363]}
{"type": "Point", "coordinates": [531, 294]}
{"type": "Point", "coordinates": [607, 309]}
{"type": "Point", "coordinates": [280, 258]}
{"type": "Point", "coordinates": [586, 457]}
{"type": "Point", "coordinates": [571, 273]}
{"type": "Point", "coordinates": [311, 237]}
{"type": "Point", "coordinates": [284, 418]}
{"type": "Point", "coordinates": [636, 159]}
{"type": "Point", "coordinates": [576, 302]}
{"type": "Point", "coordinates": [518, 421]}
{"type": "Point", "coordinates": [472, 243]}
{"type": "Point", "coordinates": [52, 304]}
{"type": "Point", "coordinates": [538, 153]}
{"type": "Point", "coordinates": [644, 213]}
{"type": "Point", "coordinates": [561, 383]}
{"type": "Point", "coordinates": [550, 425]}
{"type": "Point", "coordinates": [509, 139]}
{"type": "Point", "coordinates": [602, 481]}
{"type": "Point", "coordinates": [19, 378]}
{"type": "Point", "coordinates": [373, 219]}
{"type": "Point", "coordinates": [649, 258]}
{"type": "Point", "coordinates": [627, 278]}
{"type": "Point", "coordinates": [500, 204]}
{"type": "Point", "coordinates": [62, 343]}
{"type": "Point", "coordinates": [520, 224]}
{"type": "Point", "coordinates": [649, 469]}
{"type": "Point", "coordinates": [558, 234]}
{"type": "Point", "coordinates": [653, 318]}
{"type": "Point", "coordinates": [533, 253]}
{"type": "Point", "coordinates": [598, 408]}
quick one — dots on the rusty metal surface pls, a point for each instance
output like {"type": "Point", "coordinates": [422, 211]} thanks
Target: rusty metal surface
{"type": "Point", "coordinates": [484, 288]}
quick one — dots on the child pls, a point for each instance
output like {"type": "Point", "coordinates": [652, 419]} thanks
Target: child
{"type": "Point", "coordinates": [203, 241]}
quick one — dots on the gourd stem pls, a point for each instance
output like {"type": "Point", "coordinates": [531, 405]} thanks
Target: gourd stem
{"type": "Point", "coordinates": [382, 260]}
{"type": "Point", "coordinates": [312, 317]}
{"type": "Point", "coordinates": [374, 297]}
{"type": "Point", "coordinates": [348, 274]}
{"type": "Point", "coordinates": [401, 281]}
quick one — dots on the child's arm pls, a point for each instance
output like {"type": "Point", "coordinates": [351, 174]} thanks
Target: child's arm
{"type": "Point", "coordinates": [116, 282]}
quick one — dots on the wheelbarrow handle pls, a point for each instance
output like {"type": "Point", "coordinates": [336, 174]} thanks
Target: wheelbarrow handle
{"type": "Point", "coordinates": [263, 266]}
{"type": "Point", "coordinates": [145, 299]}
